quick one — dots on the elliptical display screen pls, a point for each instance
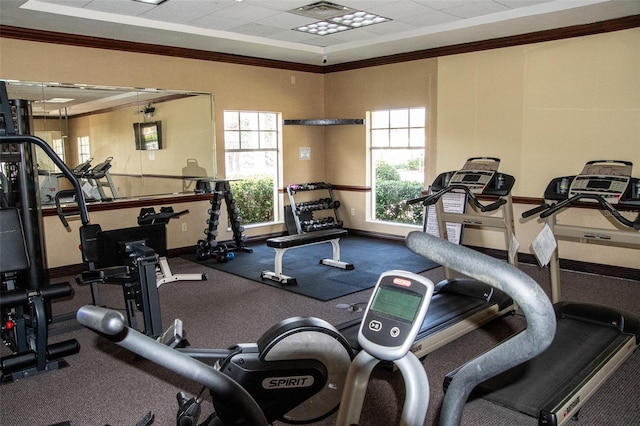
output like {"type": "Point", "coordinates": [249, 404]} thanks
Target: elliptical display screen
{"type": "Point", "coordinates": [396, 303]}
{"type": "Point", "coordinates": [394, 314]}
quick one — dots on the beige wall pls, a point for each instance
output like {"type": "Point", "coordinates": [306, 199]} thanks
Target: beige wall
{"type": "Point", "coordinates": [350, 94]}
{"type": "Point", "coordinates": [294, 94]}
{"type": "Point", "coordinates": [544, 109]}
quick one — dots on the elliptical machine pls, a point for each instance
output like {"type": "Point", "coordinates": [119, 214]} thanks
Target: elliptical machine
{"type": "Point", "coordinates": [238, 402]}
{"type": "Point", "coordinates": [294, 373]}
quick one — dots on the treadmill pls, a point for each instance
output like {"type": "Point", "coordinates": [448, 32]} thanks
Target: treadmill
{"type": "Point", "coordinates": [461, 305]}
{"type": "Point", "coordinates": [591, 341]}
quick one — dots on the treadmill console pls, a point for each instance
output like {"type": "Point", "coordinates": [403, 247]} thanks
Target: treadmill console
{"type": "Point", "coordinates": [394, 315]}
{"type": "Point", "coordinates": [480, 175]}
{"type": "Point", "coordinates": [609, 179]}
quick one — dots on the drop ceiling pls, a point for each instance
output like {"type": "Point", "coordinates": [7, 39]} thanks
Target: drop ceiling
{"type": "Point", "coordinates": [267, 28]}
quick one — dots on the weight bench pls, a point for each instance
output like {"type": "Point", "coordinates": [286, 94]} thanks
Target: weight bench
{"type": "Point", "coordinates": [282, 244]}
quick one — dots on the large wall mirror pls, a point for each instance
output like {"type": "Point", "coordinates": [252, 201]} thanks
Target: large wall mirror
{"type": "Point", "coordinates": [121, 142]}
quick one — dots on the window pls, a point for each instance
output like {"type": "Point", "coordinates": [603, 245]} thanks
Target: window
{"type": "Point", "coordinates": [397, 143]}
{"type": "Point", "coordinates": [58, 147]}
{"type": "Point", "coordinates": [84, 151]}
{"type": "Point", "coordinates": [252, 149]}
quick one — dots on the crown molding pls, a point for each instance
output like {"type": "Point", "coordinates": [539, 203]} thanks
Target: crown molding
{"type": "Point", "coordinates": [35, 35]}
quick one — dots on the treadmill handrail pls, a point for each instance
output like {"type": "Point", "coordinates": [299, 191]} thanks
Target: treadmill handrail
{"type": "Point", "coordinates": [111, 324]}
{"type": "Point", "coordinates": [526, 293]}
{"type": "Point", "coordinates": [547, 210]}
{"type": "Point", "coordinates": [427, 200]}
{"type": "Point", "coordinates": [536, 210]}
{"type": "Point", "coordinates": [27, 139]}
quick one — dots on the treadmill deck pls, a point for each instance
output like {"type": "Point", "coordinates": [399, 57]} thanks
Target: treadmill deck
{"type": "Point", "coordinates": [553, 385]}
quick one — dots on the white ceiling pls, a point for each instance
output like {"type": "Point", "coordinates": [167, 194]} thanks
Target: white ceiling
{"type": "Point", "coordinates": [264, 28]}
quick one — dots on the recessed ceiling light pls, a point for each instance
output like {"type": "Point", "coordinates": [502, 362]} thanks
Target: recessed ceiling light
{"type": "Point", "coordinates": [156, 2]}
{"type": "Point", "coordinates": [348, 21]}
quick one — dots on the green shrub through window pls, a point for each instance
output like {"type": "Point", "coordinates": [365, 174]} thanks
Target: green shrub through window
{"type": "Point", "coordinates": [391, 194]}
{"type": "Point", "coordinates": [397, 143]}
{"type": "Point", "coordinates": [252, 152]}
{"type": "Point", "coordinates": [254, 199]}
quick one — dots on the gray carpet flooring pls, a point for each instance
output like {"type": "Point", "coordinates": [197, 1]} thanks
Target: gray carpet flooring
{"type": "Point", "coordinates": [104, 384]}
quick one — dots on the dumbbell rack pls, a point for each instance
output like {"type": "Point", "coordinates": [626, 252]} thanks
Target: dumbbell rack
{"type": "Point", "coordinates": [303, 212]}
{"type": "Point", "coordinates": [222, 191]}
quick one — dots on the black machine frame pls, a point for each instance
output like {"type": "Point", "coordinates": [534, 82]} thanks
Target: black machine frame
{"type": "Point", "coordinates": [127, 257]}
{"type": "Point", "coordinates": [26, 292]}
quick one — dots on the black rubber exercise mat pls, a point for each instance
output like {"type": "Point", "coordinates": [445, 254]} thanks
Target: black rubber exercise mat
{"type": "Point", "coordinates": [370, 257]}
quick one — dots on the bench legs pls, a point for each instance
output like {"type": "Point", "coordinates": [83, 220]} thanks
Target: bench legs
{"type": "Point", "coordinates": [166, 276]}
{"type": "Point", "coordinates": [277, 274]}
{"type": "Point", "coordinates": [336, 262]}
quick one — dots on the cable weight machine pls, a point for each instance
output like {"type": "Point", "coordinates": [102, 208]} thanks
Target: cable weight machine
{"type": "Point", "coordinates": [26, 293]}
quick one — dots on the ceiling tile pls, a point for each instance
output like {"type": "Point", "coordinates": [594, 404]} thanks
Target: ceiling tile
{"type": "Point", "coordinates": [285, 20]}
{"type": "Point", "coordinates": [391, 27]}
{"type": "Point", "coordinates": [392, 10]}
{"type": "Point", "coordinates": [124, 7]}
{"type": "Point", "coordinates": [182, 11]}
{"type": "Point", "coordinates": [429, 19]}
{"type": "Point", "coordinates": [215, 22]}
{"type": "Point", "coordinates": [246, 12]}
{"type": "Point", "coordinates": [473, 9]}
{"type": "Point", "coordinates": [256, 29]}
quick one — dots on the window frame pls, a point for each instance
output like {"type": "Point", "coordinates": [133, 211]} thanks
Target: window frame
{"type": "Point", "coordinates": [84, 149]}
{"type": "Point", "coordinates": [275, 146]}
{"type": "Point", "coordinates": [420, 128]}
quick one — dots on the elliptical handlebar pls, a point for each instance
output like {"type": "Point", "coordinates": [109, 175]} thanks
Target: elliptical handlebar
{"type": "Point", "coordinates": [26, 139]}
{"type": "Point", "coordinates": [112, 325]}
{"type": "Point", "coordinates": [525, 292]}
{"type": "Point", "coordinates": [430, 199]}
{"type": "Point", "coordinates": [547, 210]}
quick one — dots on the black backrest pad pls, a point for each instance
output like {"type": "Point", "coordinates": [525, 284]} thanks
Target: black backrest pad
{"type": "Point", "coordinates": [13, 253]}
{"type": "Point", "coordinates": [89, 242]}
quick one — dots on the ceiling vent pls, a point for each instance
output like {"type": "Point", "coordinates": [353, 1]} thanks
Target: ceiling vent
{"type": "Point", "coordinates": [322, 10]}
